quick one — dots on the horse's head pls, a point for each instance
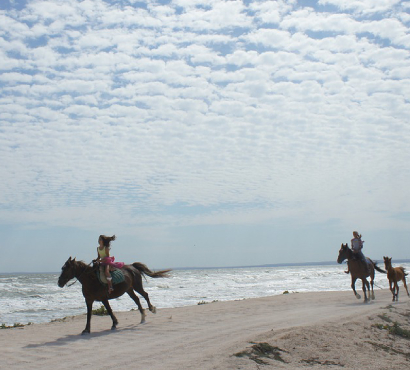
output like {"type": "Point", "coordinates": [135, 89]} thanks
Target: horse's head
{"type": "Point", "coordinates": [387, 262]}
{"type": "Point", "coordinates": [67, 272]}
{"type": "Point", "coordinates": [343, 253]}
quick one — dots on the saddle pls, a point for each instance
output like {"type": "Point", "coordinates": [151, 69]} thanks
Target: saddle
{"type": "Point", "coordinates": [117, 277]}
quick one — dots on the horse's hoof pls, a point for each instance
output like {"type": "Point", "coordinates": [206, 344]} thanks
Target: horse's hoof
{"type": "Point", "coordinates": [153, 309]}
{"type": "Point", "coordinates": [358, 296]}
{"type": "Point", "coordinates": [85, 332]}
{"type": "Point", "coordinates": [143, 317]}
{"type": "Point", "coordinates": [113, 327]}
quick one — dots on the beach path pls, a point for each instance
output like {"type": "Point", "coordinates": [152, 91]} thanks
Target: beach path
{"type": "Point", "coordinates": [199, 337]}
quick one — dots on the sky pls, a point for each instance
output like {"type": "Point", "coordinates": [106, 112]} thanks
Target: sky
{"type": "Point", "coordinates": [203, 133]}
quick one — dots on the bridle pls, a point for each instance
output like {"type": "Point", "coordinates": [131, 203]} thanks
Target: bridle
{"type": "Point", "coordinates": [68, 285]}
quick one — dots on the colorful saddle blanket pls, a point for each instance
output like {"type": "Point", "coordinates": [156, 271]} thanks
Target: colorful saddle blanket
{"type": "Point", "coordinates": [117, 277]}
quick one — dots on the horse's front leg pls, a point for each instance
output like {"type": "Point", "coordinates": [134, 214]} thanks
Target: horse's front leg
{"type": "Point", "coordinates": [396, 285]}
{"type": "Point", "coordinates": [89, 304]}
{"type": "Point", "coordinates": [354, 288]}
{"type": "Point", "coordinates": [365, 285]}
{"type": "Point", "coordinates": [372, 285]}
{"type": "Point", "coordinates": [109, 310]}
{"type": "Point", "coordinates": [392, 289]}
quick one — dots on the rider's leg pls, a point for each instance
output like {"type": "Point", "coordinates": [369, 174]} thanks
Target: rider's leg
{"type": "Point", "coordinates": [365, 261]}
{"type": "Point", "coordinates": [109, 278]}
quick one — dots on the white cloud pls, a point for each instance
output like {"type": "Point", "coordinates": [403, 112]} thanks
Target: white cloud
{"type": "Point", "coordinates": [243, 111]}
{"type": "Point", "coordinates": [363, 6]}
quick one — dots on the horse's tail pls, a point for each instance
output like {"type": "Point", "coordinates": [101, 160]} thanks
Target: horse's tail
{"type": "Point", "coordinates": [377, 267]}
{"type": "Point", "coordinates": [404, 271]}
{"type": "Point", "coordinates": [144, 270]}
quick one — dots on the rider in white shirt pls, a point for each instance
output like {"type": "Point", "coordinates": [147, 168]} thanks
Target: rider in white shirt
{"type": "Point", "coordinates": [357, 246]}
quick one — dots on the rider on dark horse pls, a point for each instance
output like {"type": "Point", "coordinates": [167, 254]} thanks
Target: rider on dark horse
{"type": "Point", "coordinates": [357, 246]}
{"type": "Point", "coordinates": [106, 261]}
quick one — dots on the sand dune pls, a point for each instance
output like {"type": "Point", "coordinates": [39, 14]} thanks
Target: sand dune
{"type": "Point", "coordinates": [292, 331]}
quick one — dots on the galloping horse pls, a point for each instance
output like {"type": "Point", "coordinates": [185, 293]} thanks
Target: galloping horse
{"type": "Point", "coordinates": [359, 271]}
{"type": "Point", "coordinates": [395, 274]}
{"type": "Point", "coordinates": [93, 290]}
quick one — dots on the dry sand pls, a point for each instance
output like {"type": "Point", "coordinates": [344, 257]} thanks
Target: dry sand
{"type": "Point", "coordinates": [326, 330]}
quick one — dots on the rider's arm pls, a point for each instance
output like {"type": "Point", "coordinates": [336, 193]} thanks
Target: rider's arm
{"type": "Point", "coordinates": [98, 257]}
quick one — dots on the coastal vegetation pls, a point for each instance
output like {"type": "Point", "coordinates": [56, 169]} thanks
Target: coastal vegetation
{"type": "Point", "coordinates": [16, 325]}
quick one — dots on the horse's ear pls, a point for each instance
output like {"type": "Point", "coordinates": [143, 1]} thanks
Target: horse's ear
{"type": "Point", "coordinates": [69, 259]}
{"type": "Point", "coordinates": [74, 259]}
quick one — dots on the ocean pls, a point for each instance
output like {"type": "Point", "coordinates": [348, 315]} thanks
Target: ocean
{"type": "Point", "coordinates": [36, 298]}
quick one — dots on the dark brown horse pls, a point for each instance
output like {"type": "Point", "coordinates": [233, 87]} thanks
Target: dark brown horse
{"type": "Point", "coordinates": [395, 274]}
{"type": "Point", "coordinates": [93, 290]}
{"type": "Point", "coordinates": [358, 270]}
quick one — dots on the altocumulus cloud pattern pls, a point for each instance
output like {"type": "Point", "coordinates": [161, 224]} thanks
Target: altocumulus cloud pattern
{"type": "Point", "coordinates": [178, 113]}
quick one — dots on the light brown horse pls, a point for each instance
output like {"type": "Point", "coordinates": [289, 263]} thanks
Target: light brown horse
{"type": "Point", "coordinates": [395, 274]}
{"type": "Point", "coordinates": [358, 270]}
{"type": "Point", "coordinates": [94, 290]}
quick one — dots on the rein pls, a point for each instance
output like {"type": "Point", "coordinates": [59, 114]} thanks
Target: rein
{"type": "Point", "coordinates": [79, 275]}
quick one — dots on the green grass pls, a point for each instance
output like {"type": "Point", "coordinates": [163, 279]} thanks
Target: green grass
{"type": "Point", "coordinates": [100, 311]}
{"type": "Point", "coordinates": [259, 351]}
{"type": "Point", "coordinates": [394, 329]}
{"type": "Point", "coordinates": [16, 325]}
{"type": "Point", "coordinates": [204, 302]}
{"type": "Point", "coordinates": [385, 317]}
{"type": "Point", "coordinates": [389, 349]}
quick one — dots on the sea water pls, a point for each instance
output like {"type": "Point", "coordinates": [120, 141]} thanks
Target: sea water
{"type": "Point", "coordinates": [36, 298]}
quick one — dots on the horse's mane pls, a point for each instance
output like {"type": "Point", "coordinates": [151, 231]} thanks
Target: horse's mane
{"type": "Point", "coordinates": [349, 250]}
{"type": "Point", "coordinates": [81, 263]}
{"type": "Point", "coordinates": [84, 267]}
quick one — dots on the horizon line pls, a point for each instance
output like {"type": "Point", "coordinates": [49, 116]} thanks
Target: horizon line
{"type": "Point", "coordinates": [323, 263]}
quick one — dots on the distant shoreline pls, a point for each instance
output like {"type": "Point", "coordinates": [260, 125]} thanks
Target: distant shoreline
{"type": "Point", "coordinates": [325, 263]}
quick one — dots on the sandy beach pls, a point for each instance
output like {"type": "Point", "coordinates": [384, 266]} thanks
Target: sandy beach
{"type": "Point", "coordinates": [290, 331]}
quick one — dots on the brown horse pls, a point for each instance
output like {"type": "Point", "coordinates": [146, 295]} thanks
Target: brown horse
{"type": "Point", "coordinates": [395, 274]}
{"type": "Point", "coordinates": [94, 290]}
{"type": "Point", "coordinates": [358, 270]}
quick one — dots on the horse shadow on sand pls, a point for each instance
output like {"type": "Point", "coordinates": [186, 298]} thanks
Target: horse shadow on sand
{"type": "Point", "coordinates": [79, 337]}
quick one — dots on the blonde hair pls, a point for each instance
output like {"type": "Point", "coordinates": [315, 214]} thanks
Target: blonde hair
{"type": "Point", "coordinates": [357, 235]}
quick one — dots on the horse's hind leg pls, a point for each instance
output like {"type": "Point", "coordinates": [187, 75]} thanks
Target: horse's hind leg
{"type": "Point", "coordinates": [405, 285]}
{"type": "Point", "coordinates": [109, 310]}
{"type": "Point", "coordinates": [138, 287]}
{"type": "Point", "coordinates": [152, 308]}
{"type": "Point", "coordinates": [137, 301]}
